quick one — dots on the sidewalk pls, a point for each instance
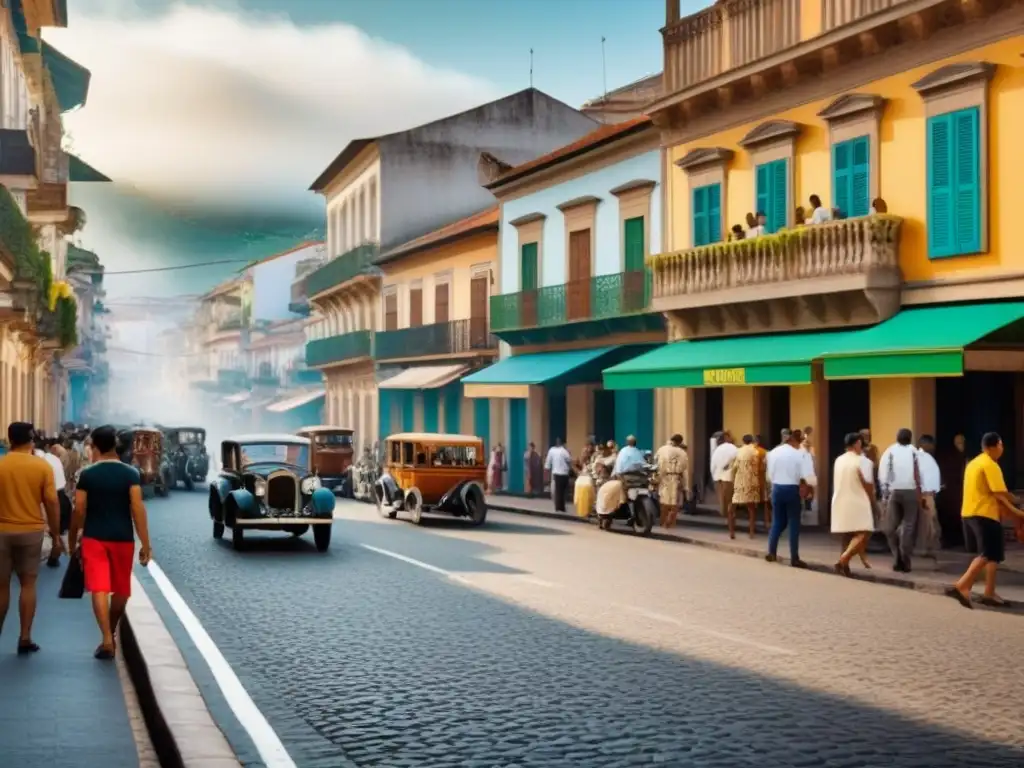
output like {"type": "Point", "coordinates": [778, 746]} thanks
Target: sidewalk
{"type": "Point", "coordinates": [60, 707]}
{"type": "Point", "coordinates": [819, 550]}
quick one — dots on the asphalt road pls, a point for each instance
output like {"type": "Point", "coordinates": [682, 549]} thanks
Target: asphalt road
{"type": "Point", "coordinates": [541, 643]}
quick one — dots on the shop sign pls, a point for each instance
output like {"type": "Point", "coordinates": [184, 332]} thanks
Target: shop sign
{"type": "Point", "coordinates": [725, 377]}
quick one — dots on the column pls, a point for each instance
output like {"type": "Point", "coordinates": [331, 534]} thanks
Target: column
{"type": "Point", "coordinates": [901, 402]}
{"type": "Point", "coordinates": [808, 406]}
{"type": "Point", "coordinates": [536, 421]}
{"type": "Point", "coordinates": [579, 415]}
{"type": "Point", "coordinates": [742, 411]}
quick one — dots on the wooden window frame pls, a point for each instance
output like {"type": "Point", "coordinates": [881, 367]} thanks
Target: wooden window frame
{"type": "Point", "coordinates": [705, 166]}
{"type": "Point", "coordinates": [852, 116]}
{"type": "Point", "coordinates": [386, 292]}
{"type": "Point", "coordinates": [580, 214]}
{"type": "Point", "coordinates": [953, 88]}
{"type": "Point", "coordinates": [413, 285]}
{"type": "Point", "coordinates": [447, 279]}
{"type": "Point", "coordinates": [634, 201]}
{"type": "Point", "coordinates": [530, 229]}
{"type": "Point", "coordinates": [770, 141]}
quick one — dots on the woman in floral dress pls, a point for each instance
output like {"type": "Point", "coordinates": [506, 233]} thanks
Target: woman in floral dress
{"type": "Point", "coordinates": [748, 482]}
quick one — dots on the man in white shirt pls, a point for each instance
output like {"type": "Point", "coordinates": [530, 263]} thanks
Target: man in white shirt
{"type": "Point", "coordinates": [721, 471]}
{"type": "Point", "coordinates": [791, 473]}
{"type": "Point", "coordinates": [819, 213]}
{"type": "Point", "coordinates": [60, 482]}
{"type": "Point", "coordinates": [558, 465]}
{"type": "Point", "coordinates": [929, 531]}
{"type": "Point", "coordinates": [899, 475]}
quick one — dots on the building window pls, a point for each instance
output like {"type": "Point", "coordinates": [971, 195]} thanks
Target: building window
{"type": "Point", "coordinates": [773, 193]}
{"type": "Point", "coordinates": [528, 267]}
{"type": "Point", "coordinates": [415, 306]}
{"type": "Point", "coordinates": [851, 176]}
{"type": "Point", "coordinates": [954, 184]}
{"type": "Point", "coordinates": [707, 214]}
{"type": "Point", "coordinates": [634, 249]}
{"type": "Point", "coordinates": [441, 301]}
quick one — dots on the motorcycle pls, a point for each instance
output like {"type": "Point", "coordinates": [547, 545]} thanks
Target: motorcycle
{"type": "Point", "coordinates": [640, 509]}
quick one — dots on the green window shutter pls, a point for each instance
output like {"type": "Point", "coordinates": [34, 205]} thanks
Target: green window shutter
{"type": "Point", "coordinates": [763, 188]}
{"type": "Point", "coordinates": [528, 267]}
{"type": "Point", "coordinates": [779, 199]}
{"type": "Point", "coordinates": [841, 171]}
{"type": "Point", "coordinates": [714, 200]}
{"type": "Point", "coordinates": [633, 237]}
{"type": "Point", "coordinates": [860, 178]}
{"type": "Point", "coordinates": [700, 217]}
{"type": "Point", "coordinates": [967, 202]}
{"type": "Point", "coordinates": [941, 228]}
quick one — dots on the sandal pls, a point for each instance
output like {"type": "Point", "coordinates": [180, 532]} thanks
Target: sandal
{"type": "Point", "coordinates": [993, 602]}
{"type": "Point", "coordinates": [104, 653]}
{"type": "Point", "coordinates": [29, 647]}
{"type": "Point", "coordinates": [957, 595]}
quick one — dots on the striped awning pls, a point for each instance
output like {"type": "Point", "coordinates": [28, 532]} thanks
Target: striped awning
{"type": "Point", "coordinates": [425, 377]}
{"type": "Point", "coordinates": [296, 401]}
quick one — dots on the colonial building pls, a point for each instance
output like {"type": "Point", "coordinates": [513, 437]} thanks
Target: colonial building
{"type": "Point", "coordinates": [382, 192]}
{"type": "Point", "coordinates": [573, 294]}
{"type": "Point", "coordinates": [435, 293]}
{"type": "Point", "coordinates": [894, 305]}
{"type": "Point", "coordinates": [86, 364]}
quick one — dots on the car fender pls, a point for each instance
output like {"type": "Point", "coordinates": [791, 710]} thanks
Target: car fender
{"type": "Point", "coordinates": [222, 486]}
{"type": "Point", "coordinates": [390, 489]}
{"type": "Point", "coordinates": [464, 488]}
{"type": "Point", "coordinates": [245, 503]}
{"type": "Point", "coordinates": [322, 502]}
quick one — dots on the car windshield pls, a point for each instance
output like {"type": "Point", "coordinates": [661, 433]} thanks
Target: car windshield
{"type": "Point", "coordinates": [275, 453]}
{"type": "Point", "coordinates": [186, 437]}
{"type": "Point", "coordinates": [334, 441]}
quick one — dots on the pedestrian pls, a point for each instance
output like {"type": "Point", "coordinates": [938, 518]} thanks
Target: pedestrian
{"type": "Point", "coordinates": [559, 465]}
{"type": "Point", "coordinates": [108, 513]}
{"type": "Point", "coordinates": [900, 476]}
{"type": "Point", "coordinates": [584, 489]}
{"type": "Point", "coordinates": [791, 472]}
{"type": "Point", "coordinates": [721, 472]}
{"type": "Point", "coordinates": [44, 450]}
{"type": "Point", "coordinates": [26, 485]}
{"type": "Point", "coordinates": [986, 498]}
{"type": "Point", "coordinates": [496, 468]}
{"type": "Point", "coordinates": [673, 472]}
{"type": "Point", "coordinates": [766, 500]}
{"type": "Point", "coordinates": [929, 532]}
{"type": "Point", "coordinates": [952, 463]}
{"type": "Point", "coordinates": [852, 499]}
{"type": "Point", "coordinates": [747, 485]}
{"type": "Point", "coordinates": [630, 459]}
{"type": "Point", "coordinates": [534, 471]}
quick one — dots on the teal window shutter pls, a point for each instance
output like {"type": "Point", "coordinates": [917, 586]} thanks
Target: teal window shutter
{"type": "Point", "coordinates": [700, 217]}
{"type": "Point", "coordinates": [941, 230]}
{"type": "Point", "coordinates": [528, 267]}
{"type": "Point", "coordinates": [860, 178]}
{"type": "Point", "coordinates": [779, 197]}
{"type": "Point", "coordinates": [714, 201]}
{"type": "Point", "coordinates": [633, 241]}
{"type": "Point", "coordinates": [763, 189]}
{"type": "Point", "coordinates": [967, 203]}
{"type": "Point", "coordinates": [841, 175]}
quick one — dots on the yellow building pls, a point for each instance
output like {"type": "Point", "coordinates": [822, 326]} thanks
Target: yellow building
{"type": "Point", "coordinates": [896, 308]}
{"type": "Point", "coordinates": [435, 328]}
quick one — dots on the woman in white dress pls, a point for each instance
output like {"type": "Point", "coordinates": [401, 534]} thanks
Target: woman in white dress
{"type": "Point", "coordinates": [851, 501]}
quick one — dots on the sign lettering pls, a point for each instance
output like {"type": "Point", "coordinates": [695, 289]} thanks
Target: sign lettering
{"type": "Point", "coordinates": [725, 377]}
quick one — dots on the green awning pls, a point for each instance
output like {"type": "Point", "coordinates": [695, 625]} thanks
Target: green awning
{"type": "Point", "coordinates": [575, 366]}
{"type": "Point", "coordinates": [755, 360]}
{"type": "Point", "coordinates": [79, 170]}
{"type": "Point", "coordinates": [928, 341]}
{"type": "Point", "coordinates": [70, 79]}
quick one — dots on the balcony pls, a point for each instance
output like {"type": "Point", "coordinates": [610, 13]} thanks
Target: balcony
{"type": "Point", "coordinates": [230, 322]}
{"type": "Point", "coordinates": [339, 349]}
{"type": "Point", "coordinates": [457, 337]}
{"type": "Point", "coordinates": [47, 200]}
{"type": "Point", "coordinates": [835, 274]}
{"type": "Point", "coordinates": [336, 272]}
{"type": "Point", "coordinates": [580, 309]}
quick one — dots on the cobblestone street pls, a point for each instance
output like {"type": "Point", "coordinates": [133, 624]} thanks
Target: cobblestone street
{"type": "Point", "coordinates": [539, 642]}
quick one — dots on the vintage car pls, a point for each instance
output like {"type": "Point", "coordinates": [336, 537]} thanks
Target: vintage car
{"type": "Point", "coordinates": [142, 447]}
{"type": "Point", "coordinates": [267, 483]}
{"type": "Point", "coordinates": [432, 473]}
{"type": "Point", "coordinates": [187, 460]}
{"type": "Point", "coordinates": [332, 453]}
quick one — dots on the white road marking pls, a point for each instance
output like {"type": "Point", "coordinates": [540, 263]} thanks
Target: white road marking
{"type": "Point", "coordinates": [271, 750]}
{"type": "Point", "coordinates": [457, 577]}
{"type": "Point", "coordinates": [710, 632]}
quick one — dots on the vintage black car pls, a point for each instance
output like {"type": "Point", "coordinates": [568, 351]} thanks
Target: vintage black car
{"type": "Point", "coordinates": [187, 461]}
{"type": "Point", "coordinates": [266, 482]}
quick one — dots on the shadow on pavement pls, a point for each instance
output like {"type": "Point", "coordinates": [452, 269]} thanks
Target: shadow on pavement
{"type": "Point", "coordinates": [490, 526]}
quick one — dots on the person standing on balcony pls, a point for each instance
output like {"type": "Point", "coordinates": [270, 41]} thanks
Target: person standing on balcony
{"type": "Point", "coordinates": [559, 465]}
{"type": "Point", "coordinates": [819, 213]}
{"type": "Point", "coordinates": [929, 531]}
{"type": "Point", "coordinates": [900, 477]}
{"type": "Point", "coordinates": [722, 472]}
{"type": "Point", "coordinates": [758, 225]}
{"type": "Point", "coordinates": [791, 473]}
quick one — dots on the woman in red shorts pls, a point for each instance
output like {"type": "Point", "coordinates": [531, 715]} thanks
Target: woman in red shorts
{"type": "Point", "coordinates": [108, 513]}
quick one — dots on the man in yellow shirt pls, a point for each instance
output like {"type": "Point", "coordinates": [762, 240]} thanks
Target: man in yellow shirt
{"type": "Point", "coordinates": [985, 499]}
{"type": "Point", "coordinates": [26, 487]}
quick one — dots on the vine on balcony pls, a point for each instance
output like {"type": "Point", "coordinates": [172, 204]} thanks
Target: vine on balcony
{"type": "Point", "coordinates": [19, 238]}
{"type": "Point", "coordinates": [66, 310]}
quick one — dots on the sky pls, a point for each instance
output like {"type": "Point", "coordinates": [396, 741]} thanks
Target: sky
{"type": "Point", "coordinates": [214, 117]}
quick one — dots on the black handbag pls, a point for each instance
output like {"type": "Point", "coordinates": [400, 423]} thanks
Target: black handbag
{"type": "Point", "coordinates": [72, 586]}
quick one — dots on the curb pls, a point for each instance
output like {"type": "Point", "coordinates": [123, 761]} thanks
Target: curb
{"type": "Point", "coordinates": [1012, 606]}
{"type": "Point", "coordinates": [180, 725]}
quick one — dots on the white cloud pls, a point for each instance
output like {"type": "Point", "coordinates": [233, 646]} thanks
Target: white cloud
{"type": "Point", "coordinates": [214, 106]}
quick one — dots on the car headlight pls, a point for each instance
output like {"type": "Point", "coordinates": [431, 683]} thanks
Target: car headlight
{"type": "Point", "coordinates": [310, 484]}
{"type": "Point", "coordinates": [260, 488]}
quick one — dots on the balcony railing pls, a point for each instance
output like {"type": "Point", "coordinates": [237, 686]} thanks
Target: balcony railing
{"type": "Point", "coordinates": [337, 349]}
{"type": "Point", "coordinates": [837, 13]}
{"type": "Point", "coordinates": [777, 265]}
{"type": "Point", "coordinates": [597, 298]}
{"type": "Point", "coordinates": [342, 269]}
{"type": "Point", "coordinates": [452, 338]}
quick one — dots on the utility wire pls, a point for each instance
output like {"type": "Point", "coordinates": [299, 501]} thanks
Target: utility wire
{"type": "Point", "coordinates": [180, 266]}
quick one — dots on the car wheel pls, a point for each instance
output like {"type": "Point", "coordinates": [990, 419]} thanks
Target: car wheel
{"type": "Point", "coordinates": [414, 507]}
{"type": "Point", "coordinates": [384, 509]}
{"type": "Point", "coordinates": [322, 537]}
{"type": "Point", "coordinates": [238, 537]}
{"type": "Point", "coordinates": [218, 530]}
{"type": "Point", "coordinates": [644, 512]}
{"type": "Point", "coordinates": [476, 506]}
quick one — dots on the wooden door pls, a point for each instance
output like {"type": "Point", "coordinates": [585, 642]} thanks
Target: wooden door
{"type": "Point", "coordinates": [391, 312]}
{"type": "Point", "coordinates": [479, 290]}
{"type": "Point", "coordinates": [578, 289]}
{"type": "Point", "coordinates": [441, 303]}
{"type": "Point", "coordinates": [415, 307]}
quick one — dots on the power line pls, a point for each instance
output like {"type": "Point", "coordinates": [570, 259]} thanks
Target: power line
{"type": "Point", "coordinates": [181, 266]}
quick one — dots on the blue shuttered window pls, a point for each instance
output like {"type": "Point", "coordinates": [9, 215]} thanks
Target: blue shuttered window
{"type": "Point", "coordinates": [954, 184]}
{"type": "Point", "coordinates": [707, 215]}
{"type": "Point", "coordinates": [773, 193]}
{"type": "Point", "coordinates": [851, 176]}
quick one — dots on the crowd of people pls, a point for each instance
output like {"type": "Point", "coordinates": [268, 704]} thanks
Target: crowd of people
{"type": "Point", "coordinates": [74, 491]}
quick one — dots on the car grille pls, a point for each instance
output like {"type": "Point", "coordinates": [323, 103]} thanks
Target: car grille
{"type": "Point", "coordinates": [281, 492]}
